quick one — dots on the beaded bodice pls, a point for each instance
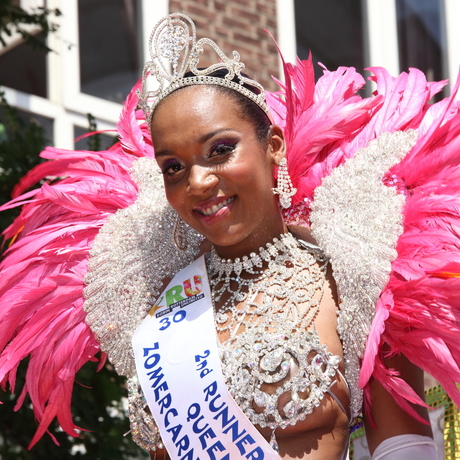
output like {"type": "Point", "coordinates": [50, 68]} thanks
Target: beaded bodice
{"type": "Point", "coordinates": [268, 303]}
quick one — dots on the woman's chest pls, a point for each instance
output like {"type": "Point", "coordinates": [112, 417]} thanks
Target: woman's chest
{"type": "Point", "coordinates": [279, 345]}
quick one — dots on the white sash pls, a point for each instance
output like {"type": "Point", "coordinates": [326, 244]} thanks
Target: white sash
{"type": "Point", "coordinates": [178, 366]}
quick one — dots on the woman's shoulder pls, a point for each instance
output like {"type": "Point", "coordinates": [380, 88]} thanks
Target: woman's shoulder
{"type": "Point", "coordinates": [303, 233]}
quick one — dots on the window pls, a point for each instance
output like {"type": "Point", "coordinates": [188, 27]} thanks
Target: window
{"type": "Point", "coordinates": [109, 51]}
{"type": "Point", "coordinates": [23, 67]}
{"type": "Point", "coordinates": [332, 30]}
{"type": "Point", "coordinates": [420, 37]}
{"type": "Point", "coordinates": [27, 118]}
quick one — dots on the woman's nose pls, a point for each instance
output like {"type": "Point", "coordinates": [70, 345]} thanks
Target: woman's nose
{"type": "Point", "coordinates": [200, 179]}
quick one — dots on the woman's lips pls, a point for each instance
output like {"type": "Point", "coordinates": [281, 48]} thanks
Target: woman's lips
{"type": "Point", "coordinates": [216, 207]}
{"type": "Point", "coordinates": [214, 211]}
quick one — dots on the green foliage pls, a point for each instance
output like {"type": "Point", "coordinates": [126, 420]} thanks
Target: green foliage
{"type": "Point", "coordinates": [98, 398]}
{"type": "Point", "coordinates": [20, 144]}
{"type": "Point", "coordinates": [98, 409]}
{"type": "Point", "coordinates": [94, 141]}
{"type": "Point", "coordinates": [13, 18]}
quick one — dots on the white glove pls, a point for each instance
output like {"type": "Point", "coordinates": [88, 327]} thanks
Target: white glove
{"type": "Point", "coordinates": [406, 447]}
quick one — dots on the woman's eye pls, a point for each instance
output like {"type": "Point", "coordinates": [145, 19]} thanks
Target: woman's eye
{"type": "Point", "coordinates": [222, 149]}
{"type": "Point", "coordinates": [171, 168]}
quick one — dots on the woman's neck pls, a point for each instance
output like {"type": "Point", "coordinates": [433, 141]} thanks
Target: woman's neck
{"type": "Point", "coordinates": [253, 242]}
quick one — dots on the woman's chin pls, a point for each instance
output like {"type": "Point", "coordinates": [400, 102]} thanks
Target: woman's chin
{"type": "Point", "coordinates": [226, 238]}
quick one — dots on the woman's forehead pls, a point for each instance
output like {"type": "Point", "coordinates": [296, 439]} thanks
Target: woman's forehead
{"type": "Point", "coordinates": [200, 104]}
{"type": "Point", "coordinates": [192, 96]}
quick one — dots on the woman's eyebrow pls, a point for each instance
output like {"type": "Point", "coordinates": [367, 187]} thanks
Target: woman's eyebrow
{"type": "Point", "coordinates": [211, 134]}
{"type": "Point", "coordinates": [201, 140]}
{"type": "Point", "coordinates": [163, 153]}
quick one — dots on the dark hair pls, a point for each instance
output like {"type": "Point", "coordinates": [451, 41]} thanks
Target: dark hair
{"type": "Point", "coordinates": [249, 110]}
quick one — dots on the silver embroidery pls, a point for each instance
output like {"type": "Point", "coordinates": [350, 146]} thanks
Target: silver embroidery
{"type": "Point", "coordinates": [357, 221]}
{"type": "Point", "coordinates": [131, 256]}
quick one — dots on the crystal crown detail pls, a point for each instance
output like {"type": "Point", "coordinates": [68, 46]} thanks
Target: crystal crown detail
{"type": "Point", "coordinates": [174, 51]}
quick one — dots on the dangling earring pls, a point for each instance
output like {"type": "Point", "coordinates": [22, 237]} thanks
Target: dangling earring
{"type": "Point", "coordinates": [179, 234]}
{"type": "Point", "coordinates": [284, 186]}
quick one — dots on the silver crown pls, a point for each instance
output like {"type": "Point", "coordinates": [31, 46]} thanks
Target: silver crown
{"type": "Point", "coordinates": [174, 51]}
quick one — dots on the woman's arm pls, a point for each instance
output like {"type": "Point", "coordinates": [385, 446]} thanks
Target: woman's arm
{"type": "Point", "coordinates": [159, 454]}
{"type": "Point", "coordinates": [389, 418]}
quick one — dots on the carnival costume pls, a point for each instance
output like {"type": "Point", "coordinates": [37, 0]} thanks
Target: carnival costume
{"type": "Point", "coordinates": [377, 180]}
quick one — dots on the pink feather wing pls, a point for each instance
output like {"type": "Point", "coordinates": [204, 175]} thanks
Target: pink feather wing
{"type": "Point", "coordinates": [418, 313]}
{"type": "Point", "coordinates": [42, 273]}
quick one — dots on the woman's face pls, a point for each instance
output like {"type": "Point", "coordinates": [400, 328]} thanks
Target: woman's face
{"type": "Point", "coordinates": [218, 175]}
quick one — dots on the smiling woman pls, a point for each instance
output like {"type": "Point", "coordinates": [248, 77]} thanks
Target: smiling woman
{"type": "Point", "coordinates": [219, 176]}
{"type": "Point", "coordinates": [217, 171]}
{"type": "Point", "coordinates": [268, 288]}
{"type": "Point", "coordinates": [219, 167]}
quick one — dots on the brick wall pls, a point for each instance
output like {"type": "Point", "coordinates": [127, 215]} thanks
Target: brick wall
{"type": "Point", "coordinates": [237, 25]}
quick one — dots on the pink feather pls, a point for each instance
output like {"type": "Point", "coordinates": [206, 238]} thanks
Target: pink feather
{"type": "Point", "coordinates": [41, 282]}
{"type": "Point", "coordinates": [424, 323]}
{"type": "Point", "coordinates": [418, 313]}
{"type": "Point", "coordinates": [317, 119]}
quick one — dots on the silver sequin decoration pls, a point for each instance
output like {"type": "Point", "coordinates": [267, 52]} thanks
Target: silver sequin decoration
{"type": "Point", "coordinates": [131, 256]}
{"type": "Point", "coordinates": [357, 221]}
{"type": "Point", "coordinates": [275, 305]}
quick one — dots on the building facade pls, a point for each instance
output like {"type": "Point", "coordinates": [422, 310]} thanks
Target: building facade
{"type": "Point", "coordinates": [100, 47]}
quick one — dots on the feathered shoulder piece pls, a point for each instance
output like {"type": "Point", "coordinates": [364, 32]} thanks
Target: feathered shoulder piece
{"type": "Point", "coordinates": [42, 273]}
{"type": "Point", "coordinates": [378, 179]}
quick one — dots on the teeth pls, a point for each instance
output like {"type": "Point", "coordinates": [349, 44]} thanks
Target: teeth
{"type": "Point", "coordinates": [213, 209]}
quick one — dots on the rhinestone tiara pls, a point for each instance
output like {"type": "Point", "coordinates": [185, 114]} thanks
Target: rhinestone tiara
{"type": "Point", "coordinates": [174, 51]}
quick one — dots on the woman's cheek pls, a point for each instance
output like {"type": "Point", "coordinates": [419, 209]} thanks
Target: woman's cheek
{"type": "Point", "coordinates": [175, 198]}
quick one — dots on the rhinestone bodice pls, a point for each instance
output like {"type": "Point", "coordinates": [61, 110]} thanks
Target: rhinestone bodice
{"type": "Point", "coordinates": [260, 360]}
{"type": "Point", "coordinates": [271, 347]}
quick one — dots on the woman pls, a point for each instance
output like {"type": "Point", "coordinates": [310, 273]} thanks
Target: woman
{"type": "Point", "coordinates": [222, 188]}
{"type": "Point", "coordinates": [218, 153]}
{"type": "Point", "coordinates": [218, 177]}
